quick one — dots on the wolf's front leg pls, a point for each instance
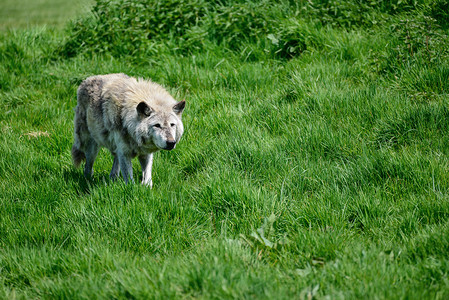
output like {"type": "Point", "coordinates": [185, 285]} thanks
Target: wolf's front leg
{"type": "Point", "coordinates": [126, 167]}
{"type": "Point", "coordinates": [146, 162]}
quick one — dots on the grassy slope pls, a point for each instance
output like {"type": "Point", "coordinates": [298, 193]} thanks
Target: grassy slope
{"type": "Point", "coordinates": [342, 170]}
{"type": "Point", "coordinates": [26, 13]}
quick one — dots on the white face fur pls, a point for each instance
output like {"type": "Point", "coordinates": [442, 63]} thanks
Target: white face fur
{"type": "Point", "coordinates": [162, 129]}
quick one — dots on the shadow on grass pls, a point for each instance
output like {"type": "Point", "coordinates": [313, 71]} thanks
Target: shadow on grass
{"type": "Point", "coordinates": [83, 185]}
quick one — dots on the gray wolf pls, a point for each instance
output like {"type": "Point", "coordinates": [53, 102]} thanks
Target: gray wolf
{"type": "Point", "coordinates": [130, 117]}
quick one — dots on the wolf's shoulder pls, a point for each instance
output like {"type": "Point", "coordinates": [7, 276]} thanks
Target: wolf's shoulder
{"type": "Point", "coordinates": [151, 92]}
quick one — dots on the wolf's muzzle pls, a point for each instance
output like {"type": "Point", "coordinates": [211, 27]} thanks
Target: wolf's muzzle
{"type": "Point", "coordinates": [170, 146]}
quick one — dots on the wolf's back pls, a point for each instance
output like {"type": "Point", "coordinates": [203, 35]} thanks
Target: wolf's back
{"type": "Point", "coordinates": [90, 90]}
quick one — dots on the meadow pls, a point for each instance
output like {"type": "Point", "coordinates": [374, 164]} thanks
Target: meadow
{"type": "Point", "coordinates": [314, 164]}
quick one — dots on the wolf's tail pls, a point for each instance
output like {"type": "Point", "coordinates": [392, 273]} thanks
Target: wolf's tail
{"type": "Point", "coordinates": [77, 156]}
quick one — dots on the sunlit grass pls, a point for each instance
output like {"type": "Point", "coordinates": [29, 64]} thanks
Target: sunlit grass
{"type": "Point", "coordinates": [28, 13]}
{"type": "Point", "coordinates": [310, 177]}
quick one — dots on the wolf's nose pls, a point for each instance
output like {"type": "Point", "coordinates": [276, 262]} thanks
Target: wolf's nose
{"type": "Point", "coordinates": [170, 145]}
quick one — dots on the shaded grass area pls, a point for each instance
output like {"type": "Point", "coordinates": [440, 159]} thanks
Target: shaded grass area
{"type": "Point", "coordinates": [321, 175]}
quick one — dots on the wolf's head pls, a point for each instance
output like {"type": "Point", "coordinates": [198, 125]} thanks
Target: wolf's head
{"type": "Point", "coordinates": [161, 127]}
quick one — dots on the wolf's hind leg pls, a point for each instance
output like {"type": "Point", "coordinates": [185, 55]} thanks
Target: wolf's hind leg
{"type": "Point", "coordinates": [115, 169]}
{"type": "Point", "coordinates": [91, 155]}
{"type": "Point", "coordinates": [146, 162]}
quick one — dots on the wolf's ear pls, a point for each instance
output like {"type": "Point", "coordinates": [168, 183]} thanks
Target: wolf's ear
{"type": "Point", "coordinates": [143, 109]}
{"type": "Point", "coordinates": [178, 108]}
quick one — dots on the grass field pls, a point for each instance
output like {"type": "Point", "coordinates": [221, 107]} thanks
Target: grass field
{"type": "Point", "coordinates": [314, 163]}
{"type": "Point", "coordinates": [29, 13]}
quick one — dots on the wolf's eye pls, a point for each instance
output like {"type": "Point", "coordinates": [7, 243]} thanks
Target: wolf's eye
{"type": "Point", "coordinates": [157, 125]}
{"type": "Point", "coordinates": [172, 124]}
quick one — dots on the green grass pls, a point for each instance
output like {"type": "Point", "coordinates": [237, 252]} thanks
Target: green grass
{"type": "Point", "coordinates": [29, 13]}
{"type": "Point", "coordinates": [323, 175]}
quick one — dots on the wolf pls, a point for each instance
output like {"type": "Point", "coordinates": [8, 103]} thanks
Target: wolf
{"type": "Point", "coordinates": [130, 117]}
